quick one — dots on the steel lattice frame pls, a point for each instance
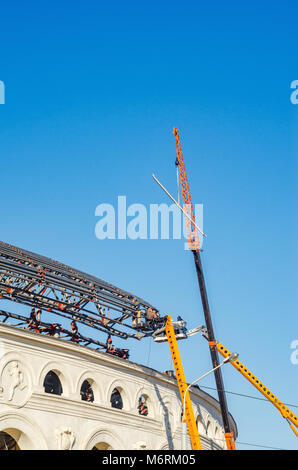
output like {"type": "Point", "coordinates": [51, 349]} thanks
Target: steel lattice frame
{"type": "Point", "coordinates": [50, 286]}
{"type": "Point", "coordinates": [192, 232]}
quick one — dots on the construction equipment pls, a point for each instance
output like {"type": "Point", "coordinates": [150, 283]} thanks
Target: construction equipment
{"type": "Point", "coordinates": [283, 409]}
{"type": "Point", "coordinates": [194, 246]}
{"type": "Point", "coordinates": [173, 331]}
{"type": "Point", "coordinates": [159, 335]}
{"type": "Point", "coordinates": [215, 346]}
{"type": "Point", "coordinates": [171, 337]}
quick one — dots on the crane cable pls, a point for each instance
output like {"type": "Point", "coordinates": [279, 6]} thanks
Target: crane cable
{"type": "Point", "coordinates": [178, 186]}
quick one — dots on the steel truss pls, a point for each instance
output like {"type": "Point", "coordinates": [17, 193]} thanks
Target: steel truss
{"type": "Point", "coordinates": [43, 283]}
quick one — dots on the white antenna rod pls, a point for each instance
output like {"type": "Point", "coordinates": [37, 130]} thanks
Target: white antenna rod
{"type": "Point", "coordinates": [185, 213]}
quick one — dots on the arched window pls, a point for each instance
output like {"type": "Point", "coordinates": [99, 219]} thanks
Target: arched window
{"type": "Point", "coordinates": [87, 392]}
{"type": "Point", "coordinates": [116, 399]}
{"type": "Point", "coordinates": [200, 425]}
{"type": "Point", "coordinates": [52, 383]}
{"type": "Point", "coordinates": [143, 406]}
{"type": "Point", "coordinates": [208, 429]}
{"type": "Point", "coordinates": [7, 442]}
{"type": "Point", "coordinates": [102, 446]}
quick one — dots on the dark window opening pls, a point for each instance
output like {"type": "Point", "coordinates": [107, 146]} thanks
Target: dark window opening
{"type": "Point", "coordinates": [7, 442]}
{"type": "Point", "coordinates": [87, 392]}
{"type": "Point", "coordinates": [116, 399]}
{"type": "Point", "coordinates": [52, 384]}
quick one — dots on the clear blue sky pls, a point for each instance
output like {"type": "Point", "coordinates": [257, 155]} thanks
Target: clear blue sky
{"type": "Point", "coordinates": [93, 91]}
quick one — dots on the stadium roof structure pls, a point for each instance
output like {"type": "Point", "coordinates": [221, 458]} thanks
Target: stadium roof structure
{"type": "Point", "coordinates": [43, 283]}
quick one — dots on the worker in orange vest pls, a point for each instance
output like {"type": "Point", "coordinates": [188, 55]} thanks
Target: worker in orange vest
{"type": "Point", "coordinates": [74, 328]}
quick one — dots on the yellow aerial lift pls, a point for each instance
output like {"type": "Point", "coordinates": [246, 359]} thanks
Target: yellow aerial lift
{"type": "Point", "coordinates": [173, 331]}
{"type": "Point", "coordinates": [188, 414]}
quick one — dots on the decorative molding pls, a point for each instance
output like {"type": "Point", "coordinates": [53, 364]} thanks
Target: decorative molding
{"type": "Point", "coordinates": [14, 384]}
{"type": "Point", "coordinates": [32, 436]}
{"type": "Point", "coordinates": [105, 435]}
{"type": "Point", "coordinates": [65, 438]}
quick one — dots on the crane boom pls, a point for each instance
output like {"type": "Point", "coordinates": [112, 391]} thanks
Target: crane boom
{"type": "Point", "coordinates": [194, 246]}
{"type": "Point", "coordinates": [192, 232]}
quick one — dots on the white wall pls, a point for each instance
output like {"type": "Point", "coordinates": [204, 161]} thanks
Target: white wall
{"type": "Point", "coordinates": [38, 420]}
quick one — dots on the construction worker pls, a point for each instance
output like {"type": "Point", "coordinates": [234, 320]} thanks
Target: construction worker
{"type": "Point", "coordinates": [74, 328]}
{"type": "Point", "coordinates": [124, 353]}
{"type": "Point", "coordinates": [150, 314]}
{"type": "Point", "coordinates": [109, 342]}
{"type": "Point", "coordinates": [151, 318]}
{"type": "Point", "coordinates": [34, 323]}
{"type": "Point", "coordinates": [181, 331]}
{"type": "Point", "coordinates": [54, 330]}
{"type": "Point", "coordinates": [87, 392]}
{"type": "Point", "coordinates": [32, 317]}
{"type": "Point", "coordinates": [112, 350]}
{"type": "Point", "coordinates": [137, 321]}
{"type": "Point", "coordinates": [143, 408]}
{"type": "Point", "coordinates": [105, 321]}
{"type": "Point", "coordinates": [38, 314]}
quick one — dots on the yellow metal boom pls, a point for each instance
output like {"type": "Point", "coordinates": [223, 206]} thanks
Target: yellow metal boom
{"type": "Point", "coordinates": [283, 409]}
{"type": "Point", "coordinates": [188, 411]}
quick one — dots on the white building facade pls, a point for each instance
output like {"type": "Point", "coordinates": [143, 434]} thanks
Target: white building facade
{"type": "Point", "coordinates": [35, 416]}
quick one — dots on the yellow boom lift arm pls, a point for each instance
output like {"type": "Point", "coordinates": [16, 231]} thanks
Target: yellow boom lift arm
{"type": "Point", "coordinates": [182, 385]}
{"type": "Point", "coordinates": [291, 418]}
